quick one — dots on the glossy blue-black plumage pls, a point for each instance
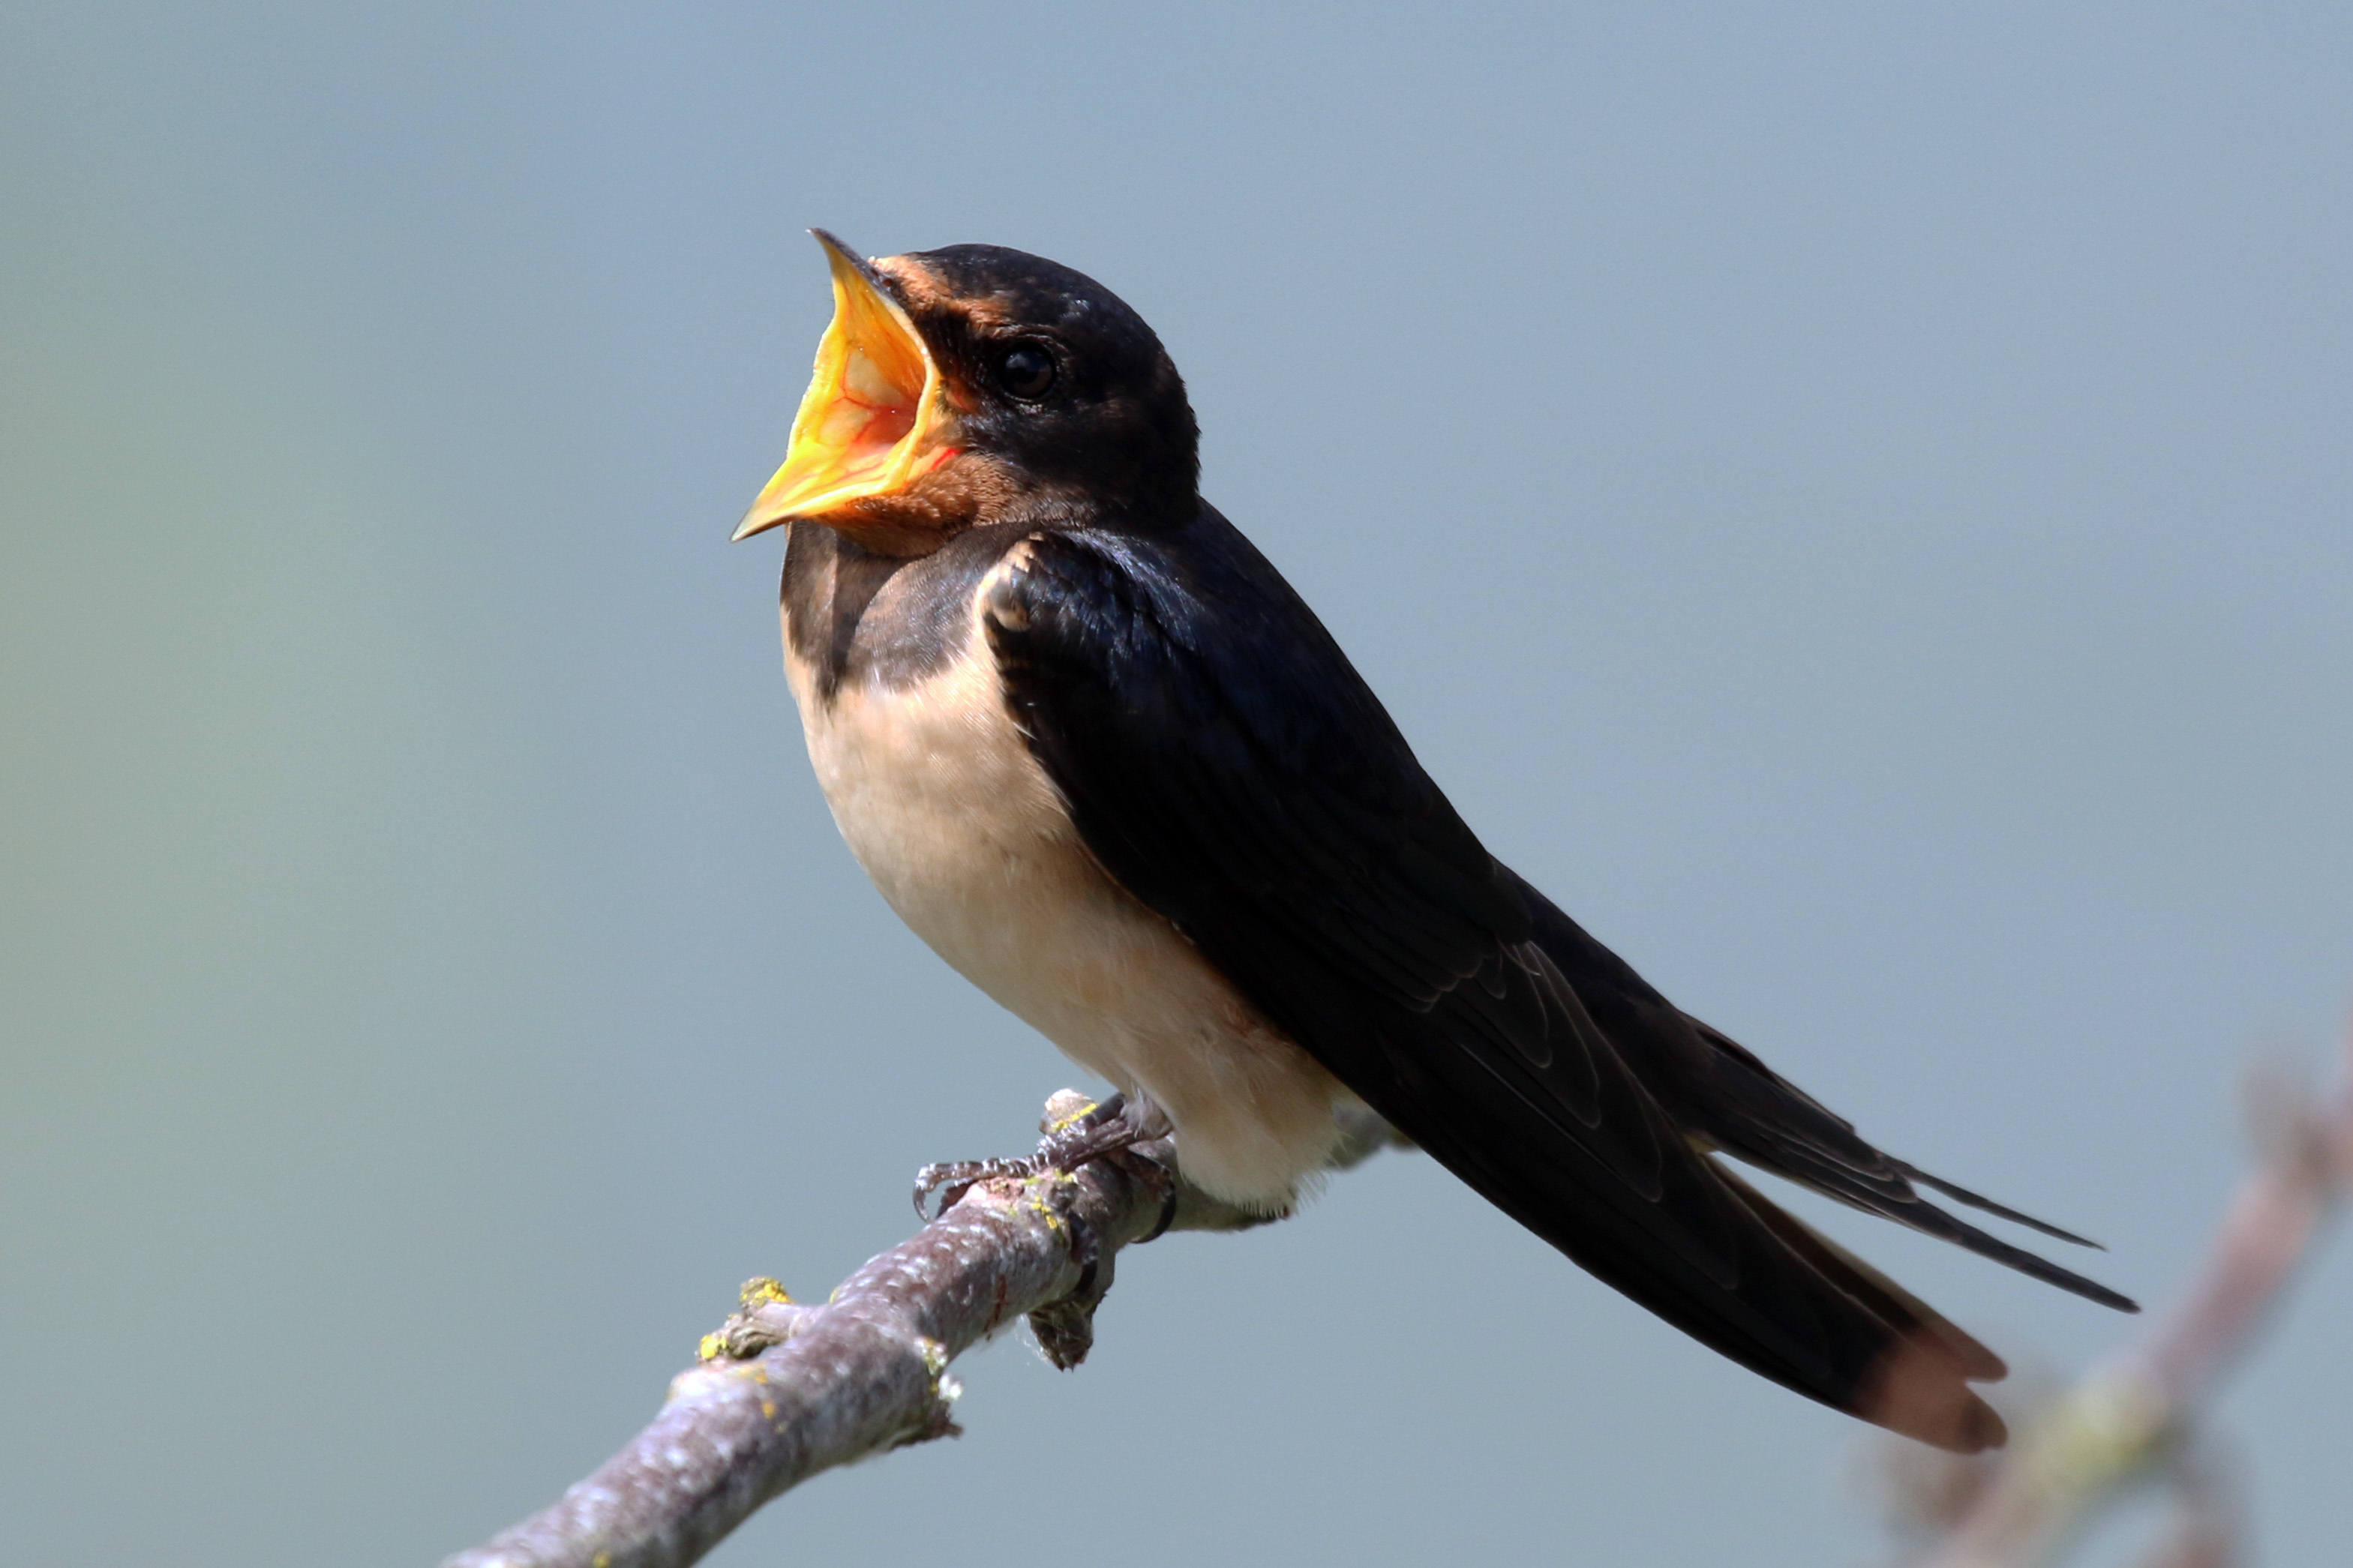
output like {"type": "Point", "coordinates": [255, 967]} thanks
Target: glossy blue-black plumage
{"type": "Point", "coordinates": [1226, 764]}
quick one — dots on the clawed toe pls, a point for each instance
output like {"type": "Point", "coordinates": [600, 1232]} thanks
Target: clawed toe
{"type": "Point", "coordinates": [1091, 1130]}
{"type": "Point", "coordinates": [951, 1180]}
{"type": "Point", "coordinates": [1077, 1131]}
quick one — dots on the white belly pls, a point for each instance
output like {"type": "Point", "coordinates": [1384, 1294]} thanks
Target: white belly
{"type": "Point", "coordinates": [943, 806]}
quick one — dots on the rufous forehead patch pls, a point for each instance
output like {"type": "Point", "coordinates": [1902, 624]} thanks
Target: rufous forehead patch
{"type": "Point", "coordinates": [923, 294]}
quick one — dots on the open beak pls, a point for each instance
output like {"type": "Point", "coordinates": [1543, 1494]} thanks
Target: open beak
{"type": "Point", "coordinates": [873, 420]}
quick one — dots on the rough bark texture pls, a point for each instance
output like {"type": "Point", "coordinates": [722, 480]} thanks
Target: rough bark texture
{"type": "Point", "coordinates": [784, 1390]}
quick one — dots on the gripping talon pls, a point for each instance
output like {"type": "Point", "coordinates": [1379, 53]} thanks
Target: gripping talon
{"type": "Point", "coordinates": [1065, 1329]}
{"type": "Point", "coordinates": [1077, 1132]}
{"type": "Point", "coordinates": [1098, 1130]}
{"type": "Point", "coordinates": [1157, 1179]}
{"type": "Point", "coordinates": [1088, 1131]}
{"type": "Point", "coordinates": [952, 1179]}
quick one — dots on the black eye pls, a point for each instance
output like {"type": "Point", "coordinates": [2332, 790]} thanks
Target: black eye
{"type": "Point", "coordinates": [1026, 370]}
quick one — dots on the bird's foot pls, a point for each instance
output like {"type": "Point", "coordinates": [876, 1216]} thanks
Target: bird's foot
{"type": "Point", "coordinates": [1078, 1130]}
{"type": "Point", "coordinates": [950, 1180]}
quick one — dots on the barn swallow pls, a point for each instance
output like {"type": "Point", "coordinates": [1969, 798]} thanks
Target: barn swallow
{"type": "Point", "coordinates": [1096, 751]}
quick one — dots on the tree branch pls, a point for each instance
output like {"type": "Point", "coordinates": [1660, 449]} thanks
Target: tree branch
{"type": "Point", "coordinates": [2133, 1419]}
{"type": "Point", "coordinates": [784, 1390]}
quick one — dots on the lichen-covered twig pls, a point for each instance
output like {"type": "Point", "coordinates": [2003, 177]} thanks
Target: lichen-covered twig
{"type": "Point", "coordinates": [784, 1390]}
{"type": "Point", "coordinates": [2133, 1419]}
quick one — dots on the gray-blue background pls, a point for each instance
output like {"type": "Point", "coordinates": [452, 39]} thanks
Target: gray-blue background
{"type": "Point", "coordinates": [1853, 501]}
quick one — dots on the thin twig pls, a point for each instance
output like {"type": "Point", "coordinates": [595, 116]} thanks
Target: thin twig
{"type": "Point", "coordinates": [2131, 1419]}
{"type": "Point", "coordinates": [784, 1390]}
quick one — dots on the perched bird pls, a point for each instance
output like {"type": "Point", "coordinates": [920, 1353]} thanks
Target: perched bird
{"type": "Point", "coordinates": [1093, 749]}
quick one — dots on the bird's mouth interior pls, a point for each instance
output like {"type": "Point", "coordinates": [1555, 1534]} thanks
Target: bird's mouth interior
{"type": "Point", "coordinates": [868, 424]}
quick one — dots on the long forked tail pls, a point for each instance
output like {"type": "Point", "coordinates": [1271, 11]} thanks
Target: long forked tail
{"type": "Point", "coordinates": [1761, 1117]}
{"type": "Point", "coordinates": [1720, 1092]}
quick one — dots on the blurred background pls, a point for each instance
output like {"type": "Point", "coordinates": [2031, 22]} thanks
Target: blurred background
{"type": "Point", "coordinates": [1853, 500]}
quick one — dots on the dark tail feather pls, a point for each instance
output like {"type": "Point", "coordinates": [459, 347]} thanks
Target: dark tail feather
{"type": "Point", "coordinates": [1926, 1217]}
{"type": "Point", "coordinates": [1707, 1253]}
{"type": "Point", "coordinates": [1919, 1385]}
{"type": "Point", "coordinates": [1721, 1091]}
{"type": "Point", "coordinates": [1902, 1310]}
{"type": "Point", "coordinates": [1900, 1203]}
{"type": "Point", "coordinates": [1960, 1194]}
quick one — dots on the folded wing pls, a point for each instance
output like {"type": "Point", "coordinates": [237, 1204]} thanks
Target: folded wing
{"type": "Point", "coordinates": [1227, 764]}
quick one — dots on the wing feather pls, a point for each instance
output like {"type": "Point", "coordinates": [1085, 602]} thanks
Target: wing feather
{"type": "Point", "coordinates": [1226, 765]}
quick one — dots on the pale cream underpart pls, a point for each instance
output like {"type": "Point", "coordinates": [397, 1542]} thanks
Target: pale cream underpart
{"type": "Point", "coordinates": [943, 806]}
